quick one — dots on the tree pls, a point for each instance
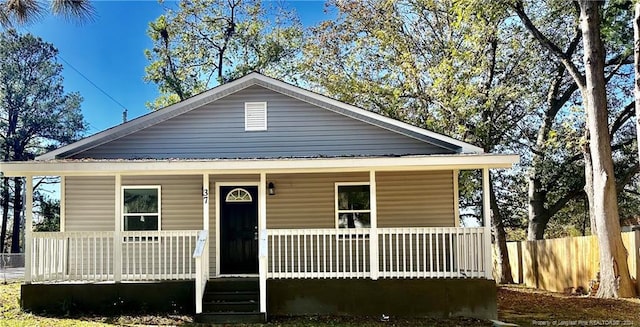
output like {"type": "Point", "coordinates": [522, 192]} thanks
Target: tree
{"type": "Point", "coordinates": [636, 66]}
{"type": "Point", "coordinates": [49, 213]}
{"type": "Point", "coordinates": [615, 280]}
{"type": "Point", "coordinates": [204, 42]}
{"type": "Point", "coordinates": [35, 112]}
{"type": "Point", "coordinates": [556, 155]}
{"type": "Point", "coordinates": [21, 12]}
{"type": "Point", "coordinates": [453, 67]}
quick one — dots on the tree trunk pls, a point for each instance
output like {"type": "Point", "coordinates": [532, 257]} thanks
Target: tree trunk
{"type": "Point", "coordinates": [538, 214]}
{"type": "Point", "coordinates": [614, 272]}
{"type": "Point", "coordinates": [17, 215]}
{"type": "Point", "coordinates": [5, 213]}
{"type": "Point", "coordinates": [636, 68]}
{"type": "Point", "coordinates": [503, 275]}
{"type": "Point", "coordinates": [588, 183]}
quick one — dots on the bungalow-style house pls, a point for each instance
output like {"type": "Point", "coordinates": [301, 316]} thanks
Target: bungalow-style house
{"type": "Point", "coordinates": [259, 197]}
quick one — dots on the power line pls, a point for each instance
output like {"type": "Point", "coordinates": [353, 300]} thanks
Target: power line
{"type": "Point", "coordinates": [87, 79]}
{"type": "Point", "coordinates": [92, 83]}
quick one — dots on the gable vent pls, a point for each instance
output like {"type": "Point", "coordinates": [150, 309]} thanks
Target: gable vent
{"type": "Point", "coordinates": [255, 116]}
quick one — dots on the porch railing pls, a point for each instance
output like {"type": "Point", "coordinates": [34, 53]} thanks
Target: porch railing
{"type": "Point", "coordinates": [109, 256]}
{"type": "Point", "coordinates": [201, 255]}
{"type": "Point", "coordinates": [425, 252]}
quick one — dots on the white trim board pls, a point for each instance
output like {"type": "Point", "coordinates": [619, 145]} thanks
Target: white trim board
{"type": "Point", "coordinates": [244, 166]}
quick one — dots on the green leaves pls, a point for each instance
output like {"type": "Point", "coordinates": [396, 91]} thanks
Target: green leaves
{"type": "Point", "coordinates": [35, 111]}
{"type": "Point", "coordinates": [206, 42]}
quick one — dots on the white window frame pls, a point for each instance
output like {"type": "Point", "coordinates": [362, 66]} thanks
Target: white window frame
{"type": "Point", "coordinates": [337, 211]}
{"type": "Point", "coordinates": [246, 117]}
{"type": "Point", "coordinates": [238, 200]}
{"type": "Point", "coordinates": [133, 187]}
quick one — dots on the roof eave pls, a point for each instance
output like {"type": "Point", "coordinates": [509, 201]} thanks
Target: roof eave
{"type": "Point", "coordinates": [150, 167]}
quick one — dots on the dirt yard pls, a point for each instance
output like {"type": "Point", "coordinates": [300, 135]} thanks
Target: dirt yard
{"type": "Point", "coordinates": [530, 307]}
{"type": "Point", "coordinates": [523, 306]}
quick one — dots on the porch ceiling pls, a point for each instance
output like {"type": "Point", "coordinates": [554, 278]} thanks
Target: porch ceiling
{"type": "Point", "coordinates": [233, 166]}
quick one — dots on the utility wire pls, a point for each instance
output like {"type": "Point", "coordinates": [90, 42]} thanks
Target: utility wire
{"type": "Point", "coordinates": [92, 83]}
{"type": "Point", "coordinates": [88, 80]}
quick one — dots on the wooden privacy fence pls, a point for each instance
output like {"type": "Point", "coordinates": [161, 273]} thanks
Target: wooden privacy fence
{"type": "Point", "coordinates": [560, 264]}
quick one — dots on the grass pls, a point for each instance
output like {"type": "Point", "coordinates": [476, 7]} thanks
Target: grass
{"type": "Point", "coordinates": [520, 305]}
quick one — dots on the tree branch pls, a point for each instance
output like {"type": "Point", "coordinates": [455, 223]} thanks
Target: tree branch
{"type": "Point", "coordinates": [518, 7]}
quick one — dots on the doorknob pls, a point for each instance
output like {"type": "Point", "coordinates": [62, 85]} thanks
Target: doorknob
{"type": "Point", "coordinates": [255, 236]}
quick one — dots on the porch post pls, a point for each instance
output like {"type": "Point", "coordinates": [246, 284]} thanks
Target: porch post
{"type": "Point", "coordinates": [117, 235]}
{"type": "Point", "coordinates": [28, 228]}
{"type": "Point", "coordinates": [262, 240]}
{"type": "Point", "coordinates": [456, 198]}
{"type": "Point", "coordinates": [486, 213]}
{"type": "Point", "coordinates": [373, 237]}
{"type": "Point", "coordinates": [206, 197]}
{"type": "Point", "coordinates": [63, 210]}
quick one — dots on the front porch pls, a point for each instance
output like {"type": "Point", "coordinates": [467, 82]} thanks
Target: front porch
{"type": "Point", "coordinates": [294, 240]}
{"type": "Point", "coordinates": [418, 252]}
{"type": "Point", "coordinates": [294, 256]}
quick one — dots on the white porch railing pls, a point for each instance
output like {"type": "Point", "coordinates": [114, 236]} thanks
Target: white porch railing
{"type": "Point", "coordinates": [318, 253]}
{"type": "Point", "coordinates": [429, 252]}
{"type": "Point", "coordinates": [201, 255]}
{"type": "Point", "coordinates": [94, 256]}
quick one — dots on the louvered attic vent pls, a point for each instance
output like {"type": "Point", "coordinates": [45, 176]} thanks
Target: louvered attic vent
{"type": "Point", "coordinates": [255, 116]}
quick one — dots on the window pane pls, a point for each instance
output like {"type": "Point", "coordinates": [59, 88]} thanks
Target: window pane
{"type": "Point", "coordinates": [143, 200]}
{"type": "Point", "coordinates": [353, 197]}
{"type": "Point", "coordinates": [354, 220]}
{"type": "Point", "coordinates": [133, 223]}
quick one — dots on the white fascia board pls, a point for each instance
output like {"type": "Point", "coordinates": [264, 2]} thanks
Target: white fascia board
{"type": "Point", "coordinates": [161, 167]}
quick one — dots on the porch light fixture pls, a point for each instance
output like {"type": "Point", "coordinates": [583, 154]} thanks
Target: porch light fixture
{"type": "Point", "coordinates": [271, 188]}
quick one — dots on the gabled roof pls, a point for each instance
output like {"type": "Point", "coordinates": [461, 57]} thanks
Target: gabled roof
{"type": "Point", "coordinates": [252, 79]}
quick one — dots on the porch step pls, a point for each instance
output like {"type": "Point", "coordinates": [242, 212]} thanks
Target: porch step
{"type": "Point", "coordinates": [231, 318]}
{"type": "Point", "coordinates": [231, 295]}
{"type": "Point", "coordinates": [231, 300]}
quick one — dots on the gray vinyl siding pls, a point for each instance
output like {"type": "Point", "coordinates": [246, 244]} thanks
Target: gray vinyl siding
{"type": "Point", "coordinates": [415, 199]}
{"type": "Point", "coordinates": [89, 203]}
{"type": "Point", "coordinates": [405, 199]}
{"type": "Point", "coordinates": [306, 200]}
{"type": "Point", "coordinates": [295, 129]}
{"type": "Point", "coordinates": [181, 199]}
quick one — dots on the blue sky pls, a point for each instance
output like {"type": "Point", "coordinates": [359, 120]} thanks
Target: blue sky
{"type": "Point", "coordinates": [109, 52]}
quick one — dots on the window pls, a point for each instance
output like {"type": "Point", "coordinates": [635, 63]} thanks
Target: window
{"type": "Point", "coordinates": [238, 195]}
{"type": "Point", "coordinates": [140, 208]}
{"type": "Point", "coordinates": [353, 205]}
{"type": "Point", "coordinates": [255, 116]}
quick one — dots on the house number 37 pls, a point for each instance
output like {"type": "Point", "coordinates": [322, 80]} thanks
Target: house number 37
{"type": "Point", "coordinates": [205, 195]}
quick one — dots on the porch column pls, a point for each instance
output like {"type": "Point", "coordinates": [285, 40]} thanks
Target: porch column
{"type": "Point", "coordinates": [262, 240]}
{"type": "Point", "coordinates": [373, 237]}
{"type": "Point", "coordinates": [456, 198]}
{"type": "Point", "coordinates": [117, 235]}
{"type": "Point", "coordinates": [486, 214]}
{"type": "Point", "coordinates": [63, 209]}
{"type": "Point", "coordinates": [28, 227]}
{"type": "Point", "coordinates": [205, 219]}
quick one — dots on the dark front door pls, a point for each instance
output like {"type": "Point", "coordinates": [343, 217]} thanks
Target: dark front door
{"type": "Point", "coordinates": [238, 229]}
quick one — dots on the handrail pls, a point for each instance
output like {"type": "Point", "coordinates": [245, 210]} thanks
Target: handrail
{"type": "Point", "coordinates": [201, 254]}
{"type": "Point", "coordinates": [97, 256]}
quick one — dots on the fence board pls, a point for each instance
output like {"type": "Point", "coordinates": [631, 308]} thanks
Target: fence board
{"type": "Point", "coordinates": [564, 264]}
